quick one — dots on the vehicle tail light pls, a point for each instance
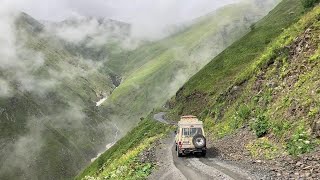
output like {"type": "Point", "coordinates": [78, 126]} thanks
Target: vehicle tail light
{"type": "Point", "coordinates": [180, 144]}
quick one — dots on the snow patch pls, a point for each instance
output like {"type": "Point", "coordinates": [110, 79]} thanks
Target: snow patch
{"type": "Point", "coordinates": [101, 101]}
{"type": "Point", "coordinates": [108, 146]}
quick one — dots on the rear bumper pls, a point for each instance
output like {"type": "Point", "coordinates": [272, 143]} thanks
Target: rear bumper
{"type": "Point", "coordinates": [192, 150]}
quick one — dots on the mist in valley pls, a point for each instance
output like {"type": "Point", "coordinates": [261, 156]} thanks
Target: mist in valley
{"type": "Point", "coordinates": [56, 67]}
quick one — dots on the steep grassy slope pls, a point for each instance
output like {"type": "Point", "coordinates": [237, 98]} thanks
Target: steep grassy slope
{"type": "Point", "coordinates": [122, 160]}
{"type": "Point", "coordinates": [203, 88]}
{"type": "Point", "coordinates": [95, 39]}
{"type": "Point", "coordinates": [49, 126]}
{"type": "Point", "coordinates": [276, 94]}
{"type": "Point", "coordinates": [280, 99]}
{"type": "Point", "coordinates": [159, 69]}
{"type": "Point", "coordinates": [274, 91]}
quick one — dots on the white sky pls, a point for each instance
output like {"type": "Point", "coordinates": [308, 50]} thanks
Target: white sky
{"type": "Point", "coordinates": [149, 15]}
{"type": "Point", "coordinates": [125, 10]}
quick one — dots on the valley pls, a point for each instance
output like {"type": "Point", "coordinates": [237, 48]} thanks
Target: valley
{"type": "Point", "coordinates": [258, 101]}
{"type": "Point", "coordinates": [68, 89]}
{"type": "Point", "coordinates": [82, 98]}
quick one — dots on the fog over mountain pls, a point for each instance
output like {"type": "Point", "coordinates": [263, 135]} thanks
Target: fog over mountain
{"type": "Point", "coordinates": [148, 18]}
{"type": "Point", "coordinates": [77, 75]}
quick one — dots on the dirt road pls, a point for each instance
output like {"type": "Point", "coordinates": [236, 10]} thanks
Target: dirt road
{"type": "Point", "coordinates": [193, 167]}
{"type": "Point", "coordinates": [160, 117]}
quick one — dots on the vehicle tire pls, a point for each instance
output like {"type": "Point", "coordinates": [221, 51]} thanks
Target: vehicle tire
{"type": "Point", "coordinates": [199, 141]}
{"type": "Point", "coordinates": [176, 147]}
{"type": "Point", "coordinates": [203, 153]}
{"type": "Point", "coordinates": [178, 153]}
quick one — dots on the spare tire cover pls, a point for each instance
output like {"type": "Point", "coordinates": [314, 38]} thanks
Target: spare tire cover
{"type": "Point", "coordinates": [199, 141]}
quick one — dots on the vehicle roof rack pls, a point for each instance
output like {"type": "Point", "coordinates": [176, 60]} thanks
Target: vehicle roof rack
{"type": "Point", "coordinates": [188, 116]}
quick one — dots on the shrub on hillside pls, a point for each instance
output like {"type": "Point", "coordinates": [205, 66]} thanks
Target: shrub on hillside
{"type": "Point", "coordinates": [309, 3]}
{"type": "Point", "coordinates": [300, 143]}
{"type": "Point", "coordinates": [241, 116]}
{"type": "Point", "coordinates": [263, 148]}
{"type": "Point", "coordinates": [261, 126]}
{"type": "Point", "coordinates": [244, 112]}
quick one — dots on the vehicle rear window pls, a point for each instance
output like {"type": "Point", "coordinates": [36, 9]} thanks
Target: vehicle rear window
{"type": "Point", "coordinates": [185, 132]}
{"type": "Point", "coordinates": [191, 131]}
{"type": "Point", "coordinates": [194, 131]}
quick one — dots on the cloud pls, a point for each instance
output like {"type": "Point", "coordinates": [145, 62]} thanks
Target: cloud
{"type": "Point", "coordinates": [31, 67]}
{"type": "Point", "coordinates": [149, 19]}
{"type": "Point", "coordinates": [19, 63]}
{"type": "Point", "coordinates": [5, 90]}
{"type": "Point", "coordinates": [27, 147]}
{"type": "Point", "coordinates": [69, 119]}
{"type": "Point", "coordinates": [23, 67]}
{"type": "Point", "coordinates": [22, 155]}
{"type": "Point", "coordinates": [90, 32]}
{"type": "Point", "coordinates": [76, 33]}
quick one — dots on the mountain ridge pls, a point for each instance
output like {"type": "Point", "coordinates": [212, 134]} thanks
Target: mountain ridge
{"type": "Point", "coordinates": [50, 123]}
{"type": "Point", "coordinates": [258, 100]}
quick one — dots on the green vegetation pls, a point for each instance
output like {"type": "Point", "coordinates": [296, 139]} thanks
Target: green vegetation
{"type": "Point", "coordinates": [300, 142]}
{"type": "Point", "coordinates": [244, 112]}
{"type": "Point", "coordinates": [266, 80]}
{"type": "Point", "coordinates": [222, 70]}
{"type": "Point", "coordinates": [241, 116]}
{"type": "Point", "coordinates": [263, 148]}
{"type": "Point", "coordinates": [237, 86]}
{"type": "Point", "coordinates": [260, 126]}
{"type": "Point", "coordinates": [279, 128]}
{"type": "Point", "coordinates": [247, 84]}
{"type": "Point", "coordinates": [154, 72]}
{"type": "Point", "coordinates": [121, 161]}
{"type": "Point", "coordinates": [70, 127]}
{"type": "Point", "coordinates": [53, 122]}
{"type": "Point", "coordinates": [309, 3]}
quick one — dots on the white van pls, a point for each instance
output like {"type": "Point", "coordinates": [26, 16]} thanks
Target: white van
{"type": "Point", "coordinates": [190, 136]}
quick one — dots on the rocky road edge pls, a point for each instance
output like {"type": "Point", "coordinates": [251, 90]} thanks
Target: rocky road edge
{"type": "Point", "coordinates": [231, 150]}
{"type": "Point", "coordinates": [169, 166]}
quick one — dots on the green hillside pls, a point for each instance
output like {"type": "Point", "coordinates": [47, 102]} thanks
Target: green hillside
{"type": "Point", "coordinates": [222, 71]}
{"type": "Point", "coordinates": [155, 71]}
{"type": "Point", "coordinates": [268, 81]}
{"type": "Point", "coordinates": [124, 154]}
{"type": "Point", "coordinates": [155, 78]}
{"type": "Point", "coordinates": [49, 125]}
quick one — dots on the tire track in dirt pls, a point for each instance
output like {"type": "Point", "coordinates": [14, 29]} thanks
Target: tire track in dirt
{"type": "Point", "coordinates": [191, 167]}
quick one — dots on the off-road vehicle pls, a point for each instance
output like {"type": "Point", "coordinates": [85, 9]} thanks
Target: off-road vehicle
{"type": "Point", "coordinates": [190, 137]}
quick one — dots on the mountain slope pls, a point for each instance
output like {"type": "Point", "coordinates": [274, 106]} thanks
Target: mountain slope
{"type": "Point", "coordinates": [159, 69]}
{"type": "Point", "coordinates": [275, 96]}
{"type": "Point", "coordinates": [264, 108]}
{"type": "Point", "coordinates": [50, 125]}
{"type": "Point", "coordinates": [203, 88]}
{"type": "Point", "coordinates": [124, 154]}
{"type": "Point", "coordinates": [152, 79]}
{"type": "Point", "coordinates": [47, 101]}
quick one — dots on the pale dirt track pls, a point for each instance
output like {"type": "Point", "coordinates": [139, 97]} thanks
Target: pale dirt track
{"type": "Point", "coordinates": [194, 167]}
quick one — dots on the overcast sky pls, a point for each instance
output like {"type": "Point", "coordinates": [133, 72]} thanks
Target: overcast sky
{"type": "Point", "coordinates": [126, 10]}
{"type": "Point", "coordinates": [148, 14]}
